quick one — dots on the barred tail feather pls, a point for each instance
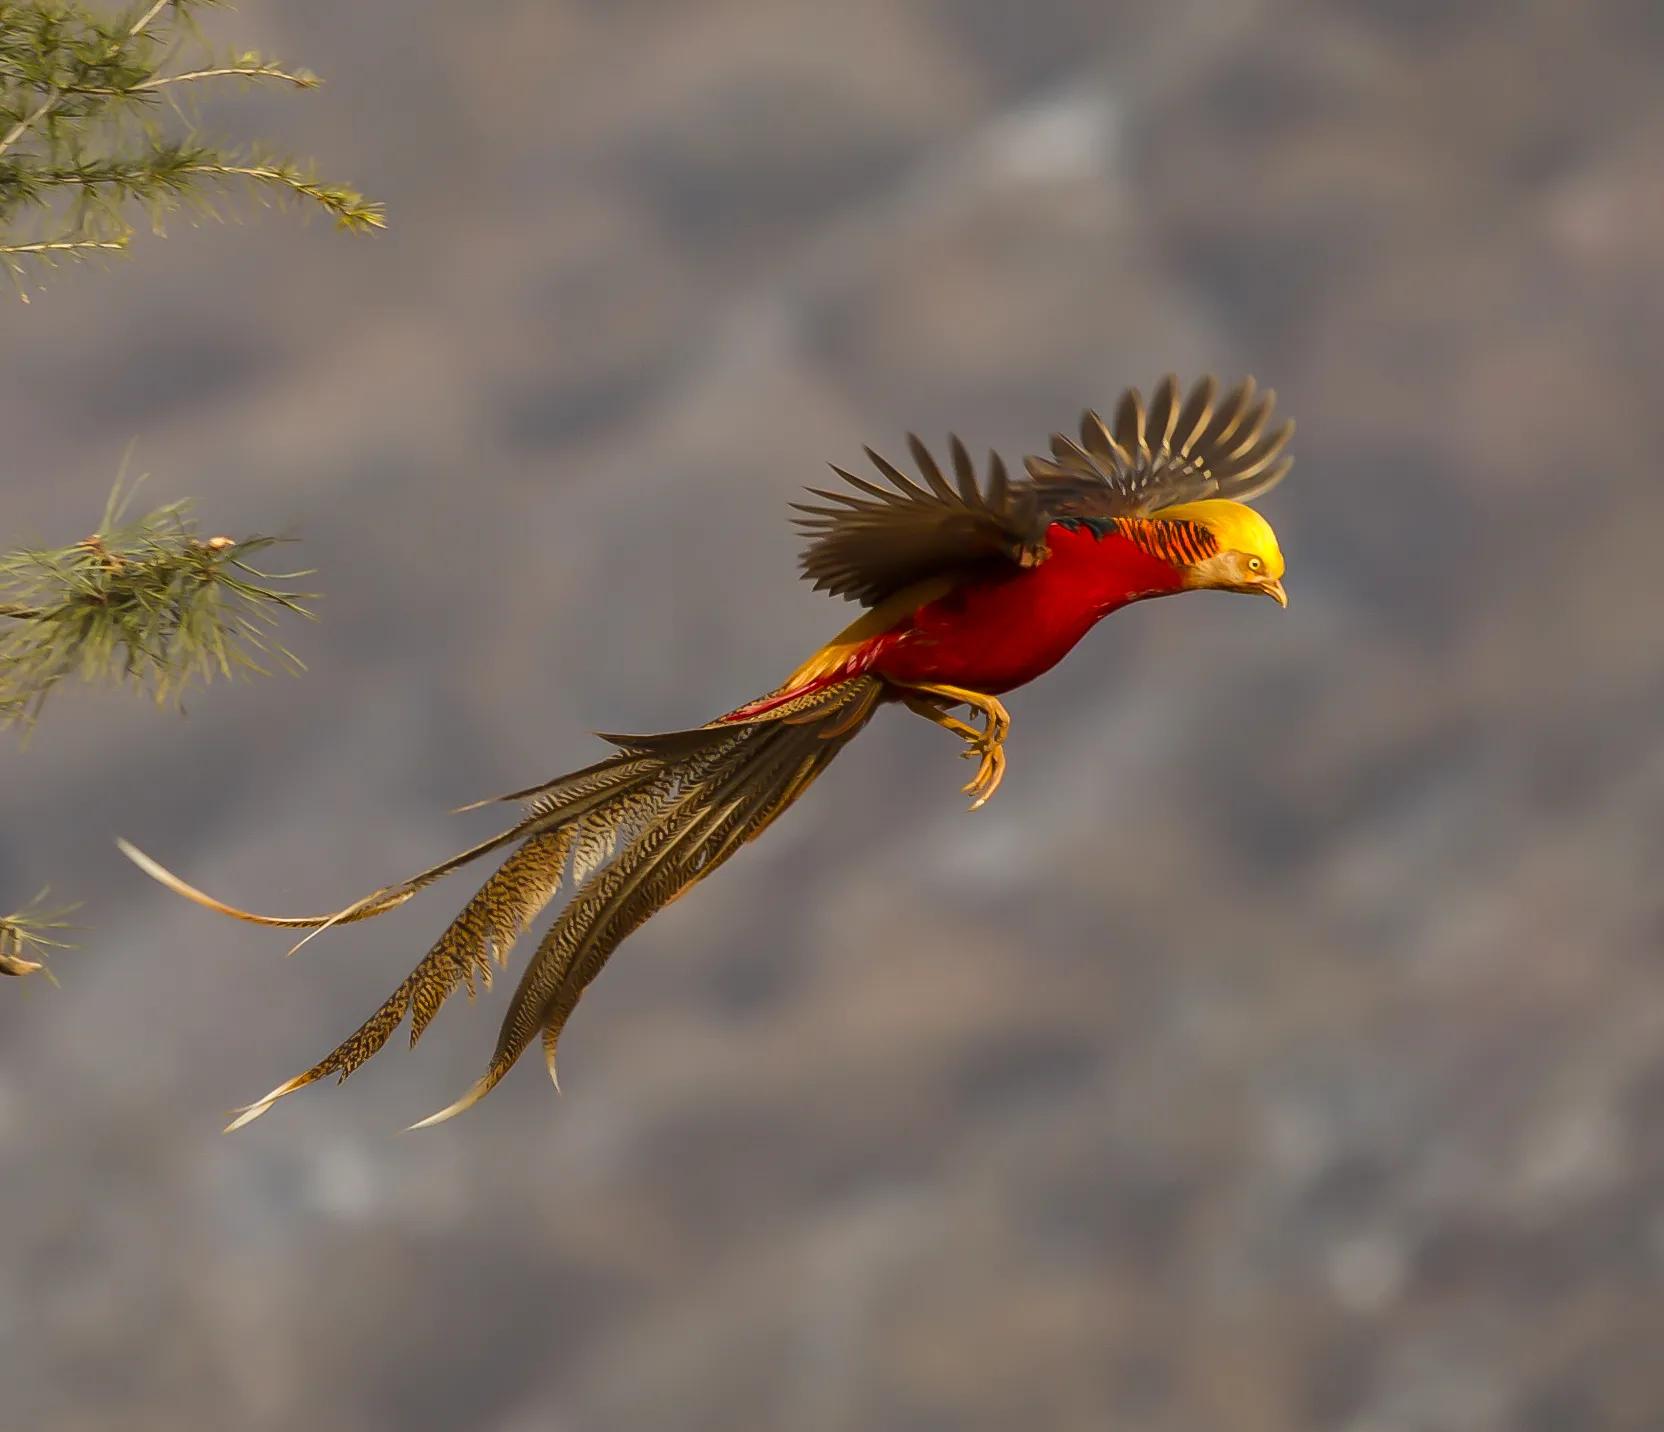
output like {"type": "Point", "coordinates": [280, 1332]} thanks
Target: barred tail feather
{"type": "Point", "coordinates": [723, 797]}
{"type": "Point", "coordinates": [553, 803]}
{"type": "Point", "coordinates": [486, 929]}
{"type": "Point", "coordinates": [519, 1027]}
{"type": "Point", "coordinates": [747, 820]}
{"type": "Point", "coordinates": [636, 883]}
{"type": "Point", "coordinates": [635, 831]}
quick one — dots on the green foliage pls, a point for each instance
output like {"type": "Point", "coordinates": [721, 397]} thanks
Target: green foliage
{"type": "Point", "coordinates": [93, 127]}
{"type": "Point", "coordinates": [145, 601]}
{"type": "Point", "coordinates": [94, 131]}
{"type": "Point", "coordinates": [26, 937]}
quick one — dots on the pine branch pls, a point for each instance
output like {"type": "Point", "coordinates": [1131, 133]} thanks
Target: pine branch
{"type": "Point", "coordinates": [51, 14]}
{"type": "Point", "coordinates": [348, 206]}
{"type": "Point", "coordinates": [16, 132]}
{"type": "Point", "coordinates": [251, 67]}
{"type": "Point", "coordinates": [73, 247]}
{"type": "Point", "coordinates": [146, 601]}
{"type": "Point", "coordinates": [24, 933]}
{"type": "Point", "coordinates": [91, 126]}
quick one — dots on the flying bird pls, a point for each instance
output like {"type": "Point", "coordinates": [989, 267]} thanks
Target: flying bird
{"type": "Point", "coordinates": [973, 586]}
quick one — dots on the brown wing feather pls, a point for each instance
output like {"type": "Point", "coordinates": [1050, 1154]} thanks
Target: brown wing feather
{"type": "Point", "coordinates": [870, 546]}
{"type": "Point", "coordinates": [1168, 452]}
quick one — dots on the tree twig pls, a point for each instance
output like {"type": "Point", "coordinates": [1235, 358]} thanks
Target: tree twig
{"type": "Point", "coordinates": [23, 933]}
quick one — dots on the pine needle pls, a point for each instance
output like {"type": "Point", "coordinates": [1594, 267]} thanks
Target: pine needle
{"type": "Point", "coordinates": [25, 941]}
{"type": "Point", "coordinates": [96, 125]}
{"type": "Point", "coordinates": [145, 601]}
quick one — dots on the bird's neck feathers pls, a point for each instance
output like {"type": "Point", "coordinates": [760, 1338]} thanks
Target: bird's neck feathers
{"type": "Point", "coordinates": [1098, 564]}
{"type": "Point", "coordinates": [1234, 526]}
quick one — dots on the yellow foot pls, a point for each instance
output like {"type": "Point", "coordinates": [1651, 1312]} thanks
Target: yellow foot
{"type": "Point", "coordinates": [986, 744]}
{"type": "Point", "coordinates": [989, 775]}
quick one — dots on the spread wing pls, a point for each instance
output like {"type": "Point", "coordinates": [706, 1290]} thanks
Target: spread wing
{"type": "Point", "coordinates": [1170, 452]}
{"type": "Point", "coordinates": [878, 540]}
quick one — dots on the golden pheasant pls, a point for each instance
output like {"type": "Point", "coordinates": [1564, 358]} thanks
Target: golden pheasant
{"type": "Point", "coordinates": [973, 587]}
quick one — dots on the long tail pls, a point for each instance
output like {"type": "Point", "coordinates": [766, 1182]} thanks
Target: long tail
{"type": "Point", "coordinates": [636, 831]}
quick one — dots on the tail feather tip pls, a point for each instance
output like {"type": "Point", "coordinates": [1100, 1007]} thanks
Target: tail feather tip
{"type": "Point", "coordinates": [450, 1111]}
{"type": "Point", "coordinates": [247, 1115]}
{"type": "Point", "coordinates": [250, 1112]}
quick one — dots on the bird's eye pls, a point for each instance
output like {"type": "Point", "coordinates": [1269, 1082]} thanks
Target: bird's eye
{"type": "Point", "coordinates": [1255, 565]}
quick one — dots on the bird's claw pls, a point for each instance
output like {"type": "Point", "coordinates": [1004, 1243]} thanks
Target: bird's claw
{"type": "Point", "coordinates": [988, 777]}
{"type": "Point", "coordinates": [990, 773]}
{"type": "Point", "coordinates": [985, 745]}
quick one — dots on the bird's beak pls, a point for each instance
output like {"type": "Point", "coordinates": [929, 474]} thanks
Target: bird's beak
{"type": "Point", "coordinates": [1275, 591]}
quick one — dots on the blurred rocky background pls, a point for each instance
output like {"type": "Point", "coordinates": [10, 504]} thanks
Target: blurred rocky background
{"type": "Point", "coordinates": [1283, 1048]}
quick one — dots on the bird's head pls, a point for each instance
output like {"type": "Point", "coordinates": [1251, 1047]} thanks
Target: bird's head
{"type": "Point", "coordinates": [1248, 558]}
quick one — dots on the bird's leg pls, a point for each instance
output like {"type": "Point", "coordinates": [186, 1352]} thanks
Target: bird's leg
{"type": "Point", "coordinates": [936, 712]}
{"type": "Point", "coordinates": [928, 700]}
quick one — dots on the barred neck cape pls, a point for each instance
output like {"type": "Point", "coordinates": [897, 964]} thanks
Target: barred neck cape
{"type": "Point", "coordinates": [973, 587]}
